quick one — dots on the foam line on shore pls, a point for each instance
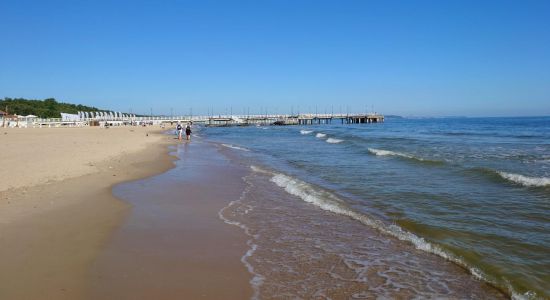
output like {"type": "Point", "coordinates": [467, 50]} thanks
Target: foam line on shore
{"type": "Point", "coordinates": [330, 202]}
{"type": "Point", "coordinates": [257, 279]}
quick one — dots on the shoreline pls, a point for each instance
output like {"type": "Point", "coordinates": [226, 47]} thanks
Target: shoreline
{"type": "Point", "coordinates": [51, 232]}
{"type": "Point", "coordinates": [58, 231]}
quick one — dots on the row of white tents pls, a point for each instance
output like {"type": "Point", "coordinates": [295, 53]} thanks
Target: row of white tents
{"type": "Point", "coordinates": [103, 115]}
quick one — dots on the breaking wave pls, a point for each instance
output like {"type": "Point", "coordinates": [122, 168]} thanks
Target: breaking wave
{"type": "Point", "coordinates": [306, 131]}
{"type": "Point", "coordinates": [381, 152]}
{"type": "Point", "coordinates": [320, 135]}
{"type": "Point", "coordinates": [334, 141]}
{"type": "Point", "coordinates": [330, 202]}
{"type": "Point", "coordinates": [525, 180]}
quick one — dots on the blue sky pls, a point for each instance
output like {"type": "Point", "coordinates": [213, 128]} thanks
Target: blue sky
{"type": "Point", "coordinates": [421, 58]}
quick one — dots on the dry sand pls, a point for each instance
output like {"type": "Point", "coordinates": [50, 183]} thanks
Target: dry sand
{"type": "Point", "coordinates": [56, 206]}
{"type": "Point", "coordinates": [31, 156]}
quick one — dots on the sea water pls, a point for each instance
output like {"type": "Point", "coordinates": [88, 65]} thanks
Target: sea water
{"type": "Point", "coordinates": [406, 208]}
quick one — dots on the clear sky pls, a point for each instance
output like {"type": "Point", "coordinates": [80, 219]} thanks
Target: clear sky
{"type": "Point", "coordinates": [421, 58]}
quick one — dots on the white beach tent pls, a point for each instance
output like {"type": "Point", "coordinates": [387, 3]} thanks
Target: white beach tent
{"type": "Point", "coordinates": [69, 117]}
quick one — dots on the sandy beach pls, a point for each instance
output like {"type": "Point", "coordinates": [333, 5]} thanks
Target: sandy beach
{"type": "Point", "coordinates": [173, 244]}
{"type": "Point", "coordinates": [32, 156]}
{"type": "Point", "coordinates": [56, 205]}
{"type": "Point", "coordinates": [57, 209]}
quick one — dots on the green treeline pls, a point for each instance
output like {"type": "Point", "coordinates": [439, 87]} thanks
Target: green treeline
{"type": "Point", "coordinates": [47, 108]}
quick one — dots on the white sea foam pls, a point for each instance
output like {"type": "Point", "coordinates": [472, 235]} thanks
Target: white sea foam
{"type": "Point", "coordinates": [259, 170]}
{"type": "Point", "coordinates": [380, 152]}
{"type": "Point", "coordinates": [525, 180]}
{"type": "Point", "coordinates": [320, 135]}
{"type": "Point", "coordinates": [306, 131]}
{"type": "Point", "coordinates": [334, 141]}
{"type": "Point", "coordinates": [235, 147]}
{"type": "Point", "coordinates": [529, 295]}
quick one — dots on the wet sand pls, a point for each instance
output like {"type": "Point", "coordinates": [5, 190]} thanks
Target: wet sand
{"type": "Point", "coordinates": [172, 244]}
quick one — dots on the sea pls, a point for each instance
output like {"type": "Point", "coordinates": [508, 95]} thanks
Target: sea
{"type": "Point", "coordinates": [408, 208]}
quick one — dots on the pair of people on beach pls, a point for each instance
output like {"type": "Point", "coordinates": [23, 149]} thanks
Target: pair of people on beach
{"type": "Point", "coordinates": [179, 128]}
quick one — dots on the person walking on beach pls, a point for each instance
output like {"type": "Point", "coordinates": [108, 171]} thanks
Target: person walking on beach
{"type": "Point", "coordinates": [188, 132]}
{"type": "Point", "coordinates": [179, 129]}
